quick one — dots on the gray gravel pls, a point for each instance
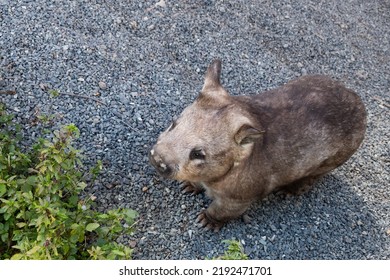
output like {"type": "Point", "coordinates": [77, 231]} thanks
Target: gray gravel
{"type": "Point", "coordinates": [125, 68]}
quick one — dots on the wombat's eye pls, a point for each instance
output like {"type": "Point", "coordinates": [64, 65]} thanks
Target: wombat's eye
{"type": "Point", "coordinates": [197, 154]}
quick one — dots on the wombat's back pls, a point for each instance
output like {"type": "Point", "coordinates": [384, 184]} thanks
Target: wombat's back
{"type": "Point", "coordinates": [312, 125]}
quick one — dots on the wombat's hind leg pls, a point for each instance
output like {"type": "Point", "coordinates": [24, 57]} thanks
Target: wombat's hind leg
{"type": "Point", "coordinates": [189, 187]}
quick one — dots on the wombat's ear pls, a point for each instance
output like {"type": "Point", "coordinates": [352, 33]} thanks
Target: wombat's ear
{"type": "Point", "coordinates": [213, 74]}
{"type": "Point", "coordinates": [247, 134]}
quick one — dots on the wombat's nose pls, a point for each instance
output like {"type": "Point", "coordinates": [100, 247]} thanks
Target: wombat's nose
{"type": "Point", "coordinates": [162, 168]}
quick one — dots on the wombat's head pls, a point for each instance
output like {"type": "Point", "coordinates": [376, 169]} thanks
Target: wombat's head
{"type": "Point", "coordinates": [208, 139]}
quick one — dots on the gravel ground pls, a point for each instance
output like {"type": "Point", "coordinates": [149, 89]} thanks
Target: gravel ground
{"type": "Point", "coordinates": [125, 68]}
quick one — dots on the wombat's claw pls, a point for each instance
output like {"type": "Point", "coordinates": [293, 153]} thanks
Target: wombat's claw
{"type": "Point", "coordinates": [206, 222]}
{"type": "Point", "coordinates": [188, 187]}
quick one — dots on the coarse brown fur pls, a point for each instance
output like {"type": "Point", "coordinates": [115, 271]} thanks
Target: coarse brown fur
{"type": "Point", "coordinates": [240, 148]}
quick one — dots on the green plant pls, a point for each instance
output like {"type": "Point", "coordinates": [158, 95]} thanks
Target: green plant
{"type": "Point", "coordinates": [46, 119]}
{"type": "Point", "coordinates": [235, 251]}
{"type": "Point", "coordinates": [53, 93]}
{"type": "Point", "coordinates": [45, 212]}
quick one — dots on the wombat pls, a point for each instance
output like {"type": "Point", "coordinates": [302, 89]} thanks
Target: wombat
{"type": "Point", "coordinates": [241, 148]}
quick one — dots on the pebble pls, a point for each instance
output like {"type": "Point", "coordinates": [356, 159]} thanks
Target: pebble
{"type": "Point", "coordinates": [362, 74]}
{"type": "Point", "coordinates": [161, 4]}
{"type": "Point", "coordinates": [102, 85]}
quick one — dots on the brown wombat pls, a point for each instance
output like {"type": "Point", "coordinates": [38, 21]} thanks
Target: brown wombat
{"type": "Point", "coordinates": [240, 148]}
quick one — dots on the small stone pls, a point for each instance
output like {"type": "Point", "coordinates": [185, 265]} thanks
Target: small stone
{"type": "Point", "coordinates": [132, 244]}
{"type": "Point", "coordinates": [145, 189]}
{"type": "Point", "coordinates": [273, 228]}
{"type": "Point", "coordinates": [44, 86]}
{"type": "Point", "coordinates": [134, 24]}
{"type": "Point", "coordinates": [246, 219]}
{"type": "Point", "coordinates": [110, 186]}
{"type": "Point", "coordinates": [161, 4]}
{"type": "Point", "coordinates": [343, 26]}
{"type": "Point", "coordinates": [362, 75]}
{"type": "Point", "coordinates": [96, 120]}
{"type": "Point", "coordinates": [102, 85]}
{"type": "Point", "coordinates": [347, 239]}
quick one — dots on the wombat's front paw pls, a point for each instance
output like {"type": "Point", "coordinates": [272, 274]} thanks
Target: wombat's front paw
{"type": "Point", "coordinates": [188, 187]}
{"type": "Point", "coordinates": [208, 222]}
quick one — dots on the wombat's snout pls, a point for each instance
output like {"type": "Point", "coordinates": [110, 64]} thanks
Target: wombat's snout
{"type": "Point", "coordinates": [162, 167]}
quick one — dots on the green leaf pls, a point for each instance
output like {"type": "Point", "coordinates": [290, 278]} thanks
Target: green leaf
{"type": "Point", "coordinates": [17, 257]}
{"type": "Point", "coordinates": [4, 237]}
{"type": "Point", "coordinates": [73, 238]}
{"type": "Point", "coordinates": [73, 200]}
{"type": "Point", "coordinates": [3, 190]}
{"type": "Point", "coordinates": [53, 92]}
{"type": "Point", "coordinates": [33, 250]}
{"type": "Point", "coordinates": [57, 158]}
{"type": "Point", "coordinates": [4, 208]}
{"type": "Point", "coordinates": [7, 216]}
{"type": "Point", "coordinates": [31, 180]}
{"type": "Point", "coordinates": [92, 226]}
{"type": "Point", "coordinates": [42, 169]}
{"type": "Point", "coordinates": [103, 216]}
{"type": "Point", "coordinates": [130, 215]}
{"type": "Point", "coordinates": [117, 252]}
{"type": "Point", "coordinates": [74, 226]}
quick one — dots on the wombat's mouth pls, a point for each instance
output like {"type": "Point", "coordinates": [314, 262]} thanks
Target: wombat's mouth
{"type": "Point", "coordinates": [162, 168]}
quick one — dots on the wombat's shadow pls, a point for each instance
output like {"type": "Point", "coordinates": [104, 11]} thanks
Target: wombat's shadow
{"type": "Point", "coordinates": [329, 222]}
